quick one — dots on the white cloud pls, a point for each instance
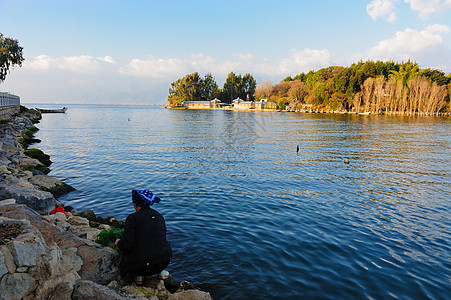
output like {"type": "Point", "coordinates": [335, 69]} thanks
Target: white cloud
{"type": "Point", "coordinates": [297, 62]}
{"type": "Point", "coordinates": [382, 9]}
{"type": "Point", "coordinates": [154, 67]}
{"type": "Point", "coordinates": [107, 59]}
{"type": "Point", "coordinates": [424, 46]}
{"type": "Point", "coordinates": [41, 62]}
{"type": "Point", "coordinates": [83, 64]}
{"type": "Point", "coordinates": [304, 60]}
{"type": "Point", "coordinates": [171, 67]}
{"type": "Point", "coordinates": [428, 7]}
{"type": "Point", "coordinates": [385, 9]}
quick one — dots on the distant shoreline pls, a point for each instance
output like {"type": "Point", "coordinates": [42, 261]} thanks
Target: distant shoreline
{"type": "Point", "coordinates": [317, 111]}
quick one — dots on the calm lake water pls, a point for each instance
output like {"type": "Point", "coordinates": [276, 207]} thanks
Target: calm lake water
{"type": "Point", "coordinates": [249, 217]}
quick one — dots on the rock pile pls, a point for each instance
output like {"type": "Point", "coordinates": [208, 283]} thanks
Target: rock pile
{"type": "Point", "coordinates": [54, 256]}
{"type": "Point", "coordinates": [21, 176]}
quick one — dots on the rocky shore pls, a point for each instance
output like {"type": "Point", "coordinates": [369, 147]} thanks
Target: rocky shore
{"type": "Point", "coordinates": [54, 256]}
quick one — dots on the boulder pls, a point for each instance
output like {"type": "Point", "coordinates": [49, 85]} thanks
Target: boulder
{"type": "Point", "coordinates": [40, 201]}
{"type": "Point", "coordinates": [7, 202]}
{"type": "Point", "coordinates": [27, 249]}
{"type": "Point", "coordinates": [3, 268]}
{"type": "Point", "coordinates": [99, 264]}
{"type": "Point", "coordinates": [78, 221]}
{"type": "Point", "coordinates": [23, 121]}
{"type": "Point", "coordinates": [155, 289]}
{"type": "Point", "coordinates": [30, 269]}
{"type": "Point", "coordinates": [25, 161]}
{"type": "Point", "coordinates": [26, 184]}
{"type": "Point", "coordinates": [70, 256]}
{"type": "Point", "coordinates": [51, 184]}
{"type": "Point", "coordinates": [8, 259]}
{"type": "Point", "coordinates": [60, 217]}
{"type": "Point", "coordinates": [87, 290]}
{"type": "Point", "coordinates": [88, 214]}
{"type": "Point", "coordinates": [16, 286]}
{"type": "Point", "coordinates": [190, 295]}
{"type": "Point", "coordinates": [4, 170]}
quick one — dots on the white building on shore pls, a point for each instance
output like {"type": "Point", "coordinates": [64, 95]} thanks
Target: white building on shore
{"type": "Point", "coordinates": [9, 104]}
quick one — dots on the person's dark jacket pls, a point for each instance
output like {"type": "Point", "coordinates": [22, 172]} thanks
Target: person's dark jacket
{"type": "Point", "coordinates": [144, 240]}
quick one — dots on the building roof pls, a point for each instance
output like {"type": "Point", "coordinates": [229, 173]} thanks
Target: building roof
{"type": "Point", "coordinates": [196, 102]}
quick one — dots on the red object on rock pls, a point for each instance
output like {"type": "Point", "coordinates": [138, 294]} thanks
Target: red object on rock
{"type": "Point", "coordinates": [58, 209]}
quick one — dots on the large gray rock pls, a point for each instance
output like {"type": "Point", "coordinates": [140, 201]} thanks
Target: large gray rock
{"type": "Point", "coordinates": [8, 259]}
{"type": "Point", "coordinates": [7, 202]}
{"type": "Point", "coordinates": [40, 201]}
{"type": "Point", "coordinates": [27, 249]}
{"type": "Point", "coordinates": [78, 221]}
{"type": "Point", "coordinates": [23, 121]}
{"type": "Point", "coordinates": [58, 287]}
{"type": "Point", "coordinates": [87, 290]}
{"type": "Point", "coordinates": [70, 256]}
{"type": "Point", "coordinates": [99, 264]}
{"type": "Point", "coordinates": [25, 161]}
{"type": "Point", "coordinates": [15, 286]}
{"type": "Point", "coordinates": [51, 184]}
{"type": "Point", "coordinates": [3, 268]}
{"type": "Point", "coordinates": [190, 295]}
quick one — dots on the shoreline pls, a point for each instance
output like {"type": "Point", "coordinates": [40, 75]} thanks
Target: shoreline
{"type": "Point", "coordinates": [46, 255]}
{"type": "Point", "coordinates": [320, 111]}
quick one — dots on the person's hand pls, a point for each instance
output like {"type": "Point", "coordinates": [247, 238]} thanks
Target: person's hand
{"type": "Point", "coordinates": [115, 243]}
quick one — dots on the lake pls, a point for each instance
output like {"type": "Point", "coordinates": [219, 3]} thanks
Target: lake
{"type": "Point", "coordinates": [250, 217]}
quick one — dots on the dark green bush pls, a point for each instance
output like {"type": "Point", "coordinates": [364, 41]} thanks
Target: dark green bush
{"type": "Point", "coordinates": [107, 238]}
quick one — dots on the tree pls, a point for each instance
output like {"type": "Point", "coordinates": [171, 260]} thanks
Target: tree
{"type": "Point", "coordinates": [233, 87]}
{"type": "Point", "coordinates": [208, 86]}
{"type": "Point", "coordinates": [436, 76]}
{"type": "Point", "coordinates": [263, 90]}
{"type": "Point", "coordinates": [298, 92]}
{"type": "Point", "coordinates": [10, 55]}
{"type": "Point", "coordinates": [188, 88]}
{"type": "Point", "coordinates": [288, 79]}
{"type": "Point", "coordinates": [300, 77]}
{"type": "Point", "coordinates": [249, 85]}
{"type": "Point", "coordinates": [406, 71]}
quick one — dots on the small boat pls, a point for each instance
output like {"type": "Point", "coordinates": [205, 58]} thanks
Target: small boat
{"type": "Point", "coordinates": [52, 111]}
{"type": "Point", "coordinates": [364, 113]}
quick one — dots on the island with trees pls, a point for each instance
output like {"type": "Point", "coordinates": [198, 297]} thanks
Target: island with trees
{"type": "Point", "coordinates": [376, 87]}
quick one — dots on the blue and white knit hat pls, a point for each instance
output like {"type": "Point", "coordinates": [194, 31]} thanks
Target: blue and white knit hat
{"type": "Point", "coordinates": [144, 198]}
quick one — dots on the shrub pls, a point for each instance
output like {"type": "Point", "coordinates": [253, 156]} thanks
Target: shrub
{"type": "Point", "coordinates": [107, 238]}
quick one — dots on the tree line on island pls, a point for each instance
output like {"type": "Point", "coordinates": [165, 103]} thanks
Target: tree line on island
{"type": "Point", "coordinates": [194, 88]}
{"type": "Point", "coordinates": [371, 86]}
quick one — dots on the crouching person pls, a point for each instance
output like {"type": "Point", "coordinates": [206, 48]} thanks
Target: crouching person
{"type": "Point", "coordinates": [146, 250]}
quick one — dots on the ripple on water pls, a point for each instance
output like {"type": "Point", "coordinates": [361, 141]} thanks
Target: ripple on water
{"type": "Point", "coordinates": [249, 216]}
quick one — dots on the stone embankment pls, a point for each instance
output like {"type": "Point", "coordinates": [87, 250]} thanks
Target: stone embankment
{"type": "Point", "coordinates": [54, 256]}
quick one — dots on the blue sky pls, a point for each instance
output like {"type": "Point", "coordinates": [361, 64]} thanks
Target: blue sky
{"type": "Point", "coordinates": [130, 51]}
